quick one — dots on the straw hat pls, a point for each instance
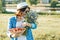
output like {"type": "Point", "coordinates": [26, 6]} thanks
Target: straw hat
{"type": "Point", "coordinates": [21, 5]}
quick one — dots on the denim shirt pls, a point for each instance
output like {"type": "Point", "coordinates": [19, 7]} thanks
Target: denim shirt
{"type": "Point", "coordinates": [12, 24]}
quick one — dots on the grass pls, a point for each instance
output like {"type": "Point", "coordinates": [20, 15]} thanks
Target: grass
{"type": "Point", "coordinates": [48, 27]}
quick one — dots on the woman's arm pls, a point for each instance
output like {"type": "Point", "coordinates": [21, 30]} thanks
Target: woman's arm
{"type": "Point", "coordinates": [32, 25]}
{"type": "Point", "coordinates": [9, 27]}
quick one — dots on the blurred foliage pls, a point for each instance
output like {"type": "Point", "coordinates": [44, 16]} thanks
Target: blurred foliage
{"type": "Point", "coordinates": [28, 1]}
{"type": "Point", "coordinates": [0, 5]}
{"type": "Point", "coordinates": [31, 2]}
{"type": "Point", "coordinates": [3, 5]}
{"type": "Point", "coordinates": [54, 4]}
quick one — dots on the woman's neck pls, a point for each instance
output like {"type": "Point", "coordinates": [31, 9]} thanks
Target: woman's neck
{"type": "Point", "coordinates": [20, 18]}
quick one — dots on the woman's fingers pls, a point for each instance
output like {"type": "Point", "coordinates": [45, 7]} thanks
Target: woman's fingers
{"type": "Point", "coordinates": [24, 24]}
{"type": "Point", "coordinates": [28, 24]}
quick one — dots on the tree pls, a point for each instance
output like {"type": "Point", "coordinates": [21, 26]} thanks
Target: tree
{"type": "Point", "coordinates": [53, 5]}
{"type": "Point", "coordinates": [0, 5]}
{"type": "Point", "coordinates": [3, 5]}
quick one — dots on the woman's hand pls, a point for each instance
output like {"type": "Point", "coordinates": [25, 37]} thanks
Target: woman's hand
{"type": "Point", "coordinates": [26, 24]}
{"type": "Point", "coordinates": [15, 35]}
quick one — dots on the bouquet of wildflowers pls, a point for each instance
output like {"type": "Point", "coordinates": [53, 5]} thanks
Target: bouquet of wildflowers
{"type": "Point", "coordinates": [31, 16]}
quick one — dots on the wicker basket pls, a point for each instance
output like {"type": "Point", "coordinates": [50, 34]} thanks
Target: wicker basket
{"type": "Point", "coordinates": [17, 31]}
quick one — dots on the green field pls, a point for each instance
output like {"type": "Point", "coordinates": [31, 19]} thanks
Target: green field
{"type": "Point", "coordinates": [48, 27]}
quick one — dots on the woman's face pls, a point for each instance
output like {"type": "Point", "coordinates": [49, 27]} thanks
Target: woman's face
{"type": "Point", "coordinates": [19, 14]}
{"type": "Point", "coordinates": [22, 12]}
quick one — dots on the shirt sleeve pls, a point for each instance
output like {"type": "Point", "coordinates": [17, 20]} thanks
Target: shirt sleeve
{"type": "Point", "coordinates": [33, 25]}
{"type": "Point", "coordinates": [8, 34]}
{"type": "Point", "coordinates": [9, 27]}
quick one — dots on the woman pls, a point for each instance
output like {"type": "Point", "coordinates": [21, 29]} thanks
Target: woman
{"type": "Point", "coordinates": [19, 21]}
